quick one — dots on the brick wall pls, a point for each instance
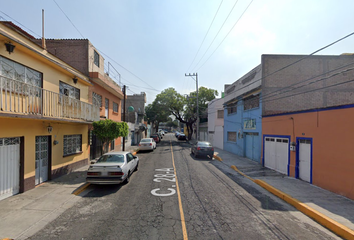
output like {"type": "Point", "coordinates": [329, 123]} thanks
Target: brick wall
{"type": "Point", "coordinates": [286, 91]}
{"type": "Point", "coordinates": [71, 51]}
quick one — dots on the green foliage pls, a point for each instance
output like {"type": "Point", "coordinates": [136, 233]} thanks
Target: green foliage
{"type": "Point", "coordinates": [107, 130]}
{"type": "Point", "coordinates": [183, 108]}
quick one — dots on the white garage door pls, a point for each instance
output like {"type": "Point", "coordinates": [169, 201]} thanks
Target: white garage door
{"type": "Point", "coordinates": [9, 167]}
{"type": "Point", "coordinates": [276, 154]}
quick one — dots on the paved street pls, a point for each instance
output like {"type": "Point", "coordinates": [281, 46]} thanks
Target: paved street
{"type": "Point", "coordinates": [205, 202]}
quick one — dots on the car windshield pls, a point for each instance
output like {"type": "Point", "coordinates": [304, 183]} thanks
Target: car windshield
{"type": "Point", "coordinates": [116, 158]}
{"type": "Point", "coordinates": [204, 144]}
{"type": "Point", "coordinates": [145, 140]}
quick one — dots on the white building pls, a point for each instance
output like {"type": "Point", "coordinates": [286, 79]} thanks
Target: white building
{"type": "Point", "coordinates": [216, 122]}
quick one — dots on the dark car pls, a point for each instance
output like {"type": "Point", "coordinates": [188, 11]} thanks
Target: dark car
{"type": "Point", "coordinates": [176, 134]}
{"type": "Point", "coordinates": [202, 148]}
{"type": "Point", "coordinates": [181, 136]}
{"type": "Point", "coordinates": [156, 138]}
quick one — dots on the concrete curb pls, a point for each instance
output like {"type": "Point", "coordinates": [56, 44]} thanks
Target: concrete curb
{"type": "Point", "coordinates": [325, 221]}
{"type": "Point", "coordinates": [217, 157]}
{"type": "Point", "coordinates": [81, 189]}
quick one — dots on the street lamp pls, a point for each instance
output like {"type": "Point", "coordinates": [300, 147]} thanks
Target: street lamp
{"type": "Point", "coordinates": [196, 81]}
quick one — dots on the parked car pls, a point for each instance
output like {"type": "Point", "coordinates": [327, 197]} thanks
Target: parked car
{"type": "Point", "coordinates": [181, 136]}
{"type": "Point", "coordinates": [160, 135]}
{"type": "Point", "coordinates": [112, 168]}
{"type": "Point", "coordinates": [162, 132]}
{"type": "Point", "coordinates": [147, 144]}
{"type": "Point", "coordinates": [177, 133]}
{"type": "Point", "coordinates": [202, 148]}
{"type": "Point", "coordinates": [156, 138]}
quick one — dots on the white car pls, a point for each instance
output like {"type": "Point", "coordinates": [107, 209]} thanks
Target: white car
{"type": "Point", "coordinates": [147, 144]}
{"type": "Point", "coordinates": [112, 168]}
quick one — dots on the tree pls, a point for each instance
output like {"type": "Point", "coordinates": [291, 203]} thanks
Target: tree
{"type": "Point", "coordinates": [156, 114]}
{"type": "Point", "coordinates": [107, 130]}
{"type": "Point", "coordinates": [172, 124]}
{"type": "Point", "coordinates": [185, 108]}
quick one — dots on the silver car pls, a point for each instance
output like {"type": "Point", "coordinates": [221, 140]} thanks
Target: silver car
{"type": "Point", "coordinates": [147, 144]}
{"type": "Point", "coordinates": [112, 168]}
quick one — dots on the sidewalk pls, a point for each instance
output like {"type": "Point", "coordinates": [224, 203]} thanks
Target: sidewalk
{"type": "Point", "coordinates": [329, 209]}
{"type": "Point", "coordinates": [24, 214]}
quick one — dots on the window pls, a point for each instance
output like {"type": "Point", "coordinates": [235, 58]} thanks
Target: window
{"type": "Point", "coordinates": [18, 72]}
{"type": "Point", "coordinates": [129, 157]}
{"type": "Point", "coordinates": [220, 113]}
{"type": "Point", "coordinates": [96, 99]}
{"type": "Point", "coordinates": [251, 102]}
{"type": "Point", "coordinates": [68, 90]}
{"type": "Point", "coordinates": [115, 107]}
{"type": "Point", "coordinates": [96, 59]}
{"type": "Point", "coordinates": [231, 136]}
{"type": "Point", "coordinates": [72, 144]}
{"type": "Point", "coordinates": [231, 109]}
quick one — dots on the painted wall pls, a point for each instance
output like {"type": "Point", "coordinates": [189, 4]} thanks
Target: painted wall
{"type": "Point", "coordinates": [215, 124]}
{"type": "Point", "coordinates": [235, 122]}
{"type": "Point", "coordinates": [29, 128]}
{"type": "Point", "coordinates": [331, 131]}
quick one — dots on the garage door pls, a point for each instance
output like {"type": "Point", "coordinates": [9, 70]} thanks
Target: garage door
{"type": "Point", "coordinates": [9, 167]}
{"type": "Point", "coordinates": [276, 154]}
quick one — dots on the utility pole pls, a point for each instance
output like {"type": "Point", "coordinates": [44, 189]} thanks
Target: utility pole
{"type": "Point", "coordinates": [124, 96]}
{"type": "Point", "coordinates": [196, 81]}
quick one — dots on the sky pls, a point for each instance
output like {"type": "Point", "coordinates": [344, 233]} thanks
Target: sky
{"type": "Point", "coordinates": [154, 43]}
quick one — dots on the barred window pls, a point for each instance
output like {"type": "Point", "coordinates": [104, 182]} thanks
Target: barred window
{"type": "Point", "coordinates": [251, 102]}
{"type": "Point", "coordinates": [68, 90]}
{"type": "Point", "coordinates": [231, 136]}
{"type": "Point", "coordinates": [96, 99]}
{"type": "Point", "coordinates": [232, 109]}
{"type": "Point", "coordinates": [72, 144]}
{"type": "Point", "coordinates": [115, 107]}
{"type": "Point", "coordinates": [220, 113]}
{"type": "Point", "coordinates": [96, 59]}
{"type": "Point", "coordinates": [19, 72]}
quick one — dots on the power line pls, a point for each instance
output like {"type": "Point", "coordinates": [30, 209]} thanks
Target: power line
{"type": "Point", "coordinates": [226, 35]}
{"type": "Point", "coordinates": [205, 35]}
{"type": "Point", "coordinates": [68, 18]}
{"type": "Point", "coordinates": [103, 52]}
{"type": "Point", "coordinates": [39, 36]}
{"type": "Point", "coordinates": [307, 56]}
{"type": "Point", "coordinates": [216, 34]}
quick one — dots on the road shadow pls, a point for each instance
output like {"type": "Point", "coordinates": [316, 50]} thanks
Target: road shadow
{"type": "Point", "coordinates": [267, 200]}
{"type": "Point", "coordinates": [101, 190]}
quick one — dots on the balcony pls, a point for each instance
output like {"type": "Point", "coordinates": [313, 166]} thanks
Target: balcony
{"type": "Point", "coordinates": [24, 100]}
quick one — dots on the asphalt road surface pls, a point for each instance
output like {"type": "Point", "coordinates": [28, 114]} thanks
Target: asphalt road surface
{"type": "Point", "coordinates": [175, 196]}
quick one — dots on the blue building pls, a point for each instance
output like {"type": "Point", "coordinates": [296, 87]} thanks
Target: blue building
{"type": "Point", "coordinates": [243, 116]}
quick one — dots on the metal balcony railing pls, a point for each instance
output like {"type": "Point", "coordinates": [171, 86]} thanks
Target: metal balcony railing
{"type": "Point", "coordinates": [21, 98]}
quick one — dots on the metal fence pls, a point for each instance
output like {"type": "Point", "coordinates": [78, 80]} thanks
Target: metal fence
{"type": "Point", "coordinates": [21, 98]}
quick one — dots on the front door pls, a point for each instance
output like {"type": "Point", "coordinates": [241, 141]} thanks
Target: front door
{"type": "Point", "coordinates": [42, 159]}
{"type": "Point", "coordinates": [304, 159]}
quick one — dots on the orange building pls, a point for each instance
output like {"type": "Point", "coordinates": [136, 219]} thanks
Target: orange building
{"type": "Point", "coordinates": [104, 92]}
{"type": "Point", "coordinates": [307, 125]}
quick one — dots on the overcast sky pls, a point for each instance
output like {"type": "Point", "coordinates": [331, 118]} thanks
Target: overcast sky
{"type": "Point", "coordinates": [152, 43]}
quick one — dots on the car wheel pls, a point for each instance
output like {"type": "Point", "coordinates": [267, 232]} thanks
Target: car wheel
{"type": "Point", "coordinates": [127, 179]}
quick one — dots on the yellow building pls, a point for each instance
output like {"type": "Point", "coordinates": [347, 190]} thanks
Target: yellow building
{"type": "Point", "coordinates": [44, 113]}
